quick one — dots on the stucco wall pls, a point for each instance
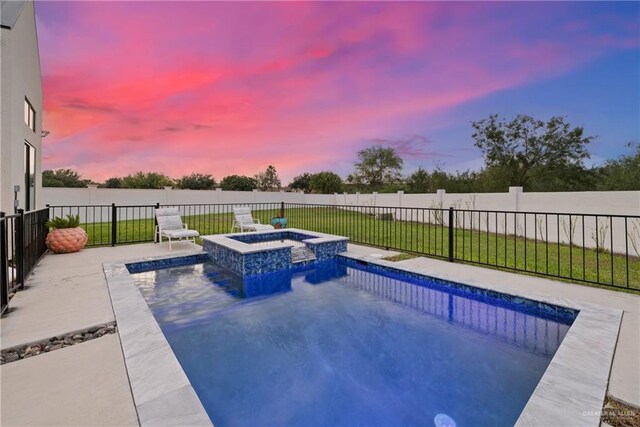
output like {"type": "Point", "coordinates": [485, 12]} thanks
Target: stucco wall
{"type": "Point", "coordinates": [106, 196]}
{"type": "Point", "coordinates": [596, 202]}
{"type": "Point", "coordinates": [20, 68]}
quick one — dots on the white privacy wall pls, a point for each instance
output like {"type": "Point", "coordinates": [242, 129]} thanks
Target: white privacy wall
{"type": "Point", "coordinates": [120, 196]}
{"type": "Point", "coordinates": [518, 213]}
{"type": "Point", "coordinates": [591, 202]}
{"type": "Point", "coordinates": [606, 231]}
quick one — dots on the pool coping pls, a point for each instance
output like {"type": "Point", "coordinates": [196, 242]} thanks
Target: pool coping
{"type": "Point", "coordinates": [162, 393]}
{"type": "Point", "coordinates": [574, 385]}
{"type": "Point", "coordinates": [571, 391]}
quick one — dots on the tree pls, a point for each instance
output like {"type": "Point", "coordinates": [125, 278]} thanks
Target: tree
{"type": "Point", "coordinates": [114, 182]}
{"type": "Point", "coordinates": [63, 178]}
{"type": "Point", "coordinates": [419, 181]}
{"type": "Point", "coordinates": [325, 183]}
{"type": "Point", "coordinates": [153, 180]}
{"type": "Point", "coordinates": [268, 180]}
{"type": "Point", "coordinates": [301, 182]}
{"type": "Point", "coordinates": [526, 146]}
{"type": "Point", "coordinates": [622, 174]}
{"type": "Point", "coordinates": [238, 183]}
{"type": "Point", "coordinates": [196, 181]}
{"type": "Point", "coordinates": [393, 187]}
{"type": "Point", "coordinates": [377, 166]}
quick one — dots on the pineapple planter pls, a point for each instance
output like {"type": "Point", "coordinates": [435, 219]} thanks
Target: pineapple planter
{"type": "Point", "coordinates": [65, 235]}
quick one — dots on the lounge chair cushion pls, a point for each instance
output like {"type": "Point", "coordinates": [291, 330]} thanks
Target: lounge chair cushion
{"type": "Point", "coordinates": [180, 234]}
{"type": "Point", "coordinates": [170, 222]}
{"type": "Point", "coordinates": [244, 220]}
{"type": "Point", "coordinates": [167, 212]}
{"type": "Point", "coordinates": [259, 227]}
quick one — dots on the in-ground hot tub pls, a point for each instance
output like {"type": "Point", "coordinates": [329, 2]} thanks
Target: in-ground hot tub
{"type": "Point", "coordinates": [250, 254]}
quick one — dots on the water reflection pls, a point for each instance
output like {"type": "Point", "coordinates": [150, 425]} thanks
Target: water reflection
{"type": "Point", "coordinates": [533, 333]}
{"type": "Point", "coordinates": [186, 295]}
{"type": "Point", "coordinates": [324, 272]}
{"type": "Point", "coordinates": [265, 284]}
{"type": "Point", "coordinates": [192, 294]}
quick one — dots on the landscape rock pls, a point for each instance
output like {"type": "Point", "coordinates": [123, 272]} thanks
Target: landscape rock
{"type": "Point", "coordinates": [56, 343]}
{"type": "Point", "coordinates": [10, 357]}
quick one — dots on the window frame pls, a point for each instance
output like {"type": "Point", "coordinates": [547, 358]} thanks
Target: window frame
{"type": "Point", "coordinates": [29, 114]}
{"type": "Point", "coordinates": [29, 176]}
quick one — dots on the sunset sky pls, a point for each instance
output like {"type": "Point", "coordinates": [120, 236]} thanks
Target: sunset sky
{"type": "Point", "coordinates": [229, 88]}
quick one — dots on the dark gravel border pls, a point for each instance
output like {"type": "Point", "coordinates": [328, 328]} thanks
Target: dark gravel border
{"type": "Point", "coordinates": [56, 343]}
{"type": "Point", "coordinates": [618, 414]}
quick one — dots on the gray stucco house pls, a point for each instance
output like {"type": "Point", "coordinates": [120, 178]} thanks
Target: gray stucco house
{"type": "Point", "coordinates": [20, 107]}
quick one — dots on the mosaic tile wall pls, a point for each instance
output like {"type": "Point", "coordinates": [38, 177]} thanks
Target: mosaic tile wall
{"type": "Point", "coordinates": [270, 260]}
{"type": "Point", "coordinates": [327, 250]}
{"type": "Point", "coordinates": [541, 309]}
{"type": "Point", "coordinates": [140, 267]}
{"type": "Point", "coordinates": [266, 262]}
{"type": "Point", "coordinates": [249, 264]}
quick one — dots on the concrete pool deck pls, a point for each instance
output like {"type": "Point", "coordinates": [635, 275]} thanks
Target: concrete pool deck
{"type": "Point", "coordinates": [68, 293]}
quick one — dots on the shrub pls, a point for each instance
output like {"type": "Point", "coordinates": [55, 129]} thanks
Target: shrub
{"type": "Point", "coordinates": [71, 221]}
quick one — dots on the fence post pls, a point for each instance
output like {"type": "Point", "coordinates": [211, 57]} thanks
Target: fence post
{"type": "Point", "coordinates": [155, 225]}
{"type": "Point", "coordinates": [20, 248]}
{"type": "Point", "coordinates": [451, 231]}
{"type": "Point", "coordinates": [44, 230]}
{"type": "Point", "coordinates": [114, 224]}
{"type": "Point", "coordinates": [4, 267]}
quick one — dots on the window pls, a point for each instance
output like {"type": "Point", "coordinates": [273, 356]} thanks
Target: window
{"type": "Point", "coordinates": [29, 115]}
{"type": "Point", "coordinates": [29, 177]}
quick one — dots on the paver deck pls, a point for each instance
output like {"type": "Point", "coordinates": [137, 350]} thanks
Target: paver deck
{"type": "Point", "coordinates": [87, 384]}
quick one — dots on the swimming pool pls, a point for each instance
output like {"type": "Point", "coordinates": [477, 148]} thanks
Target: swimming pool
{"type": "Point", "coordinates": [345, 344]}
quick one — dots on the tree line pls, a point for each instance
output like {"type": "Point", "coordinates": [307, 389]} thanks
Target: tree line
{"type": "Point", "coordinates": [264, 181]}
{"type": "Point", "coordinates": [535, 154]}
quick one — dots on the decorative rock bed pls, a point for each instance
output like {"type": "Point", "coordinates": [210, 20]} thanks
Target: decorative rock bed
{"type": "Point", "coordinates": [56, 343]}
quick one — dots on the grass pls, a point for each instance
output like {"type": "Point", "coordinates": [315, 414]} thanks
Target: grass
{"type": "Point", "coordinates": [400, 257]}
{"type": "Point", "coordinates": [565, 262]}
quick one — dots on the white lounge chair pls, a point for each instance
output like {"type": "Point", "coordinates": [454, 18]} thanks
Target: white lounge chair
{"type": "Point", "coordinates": [170, 226]}
{"type": "Point", "coordinates": [245, 221]}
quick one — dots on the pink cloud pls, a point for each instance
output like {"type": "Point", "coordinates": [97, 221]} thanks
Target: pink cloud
{"type": "Point", "coordinates": [228, 88]}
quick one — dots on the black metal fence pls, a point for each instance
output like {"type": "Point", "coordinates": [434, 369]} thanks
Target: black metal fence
{"type": "Point", "coordinates": [110, 225]}
{"type": "Point", "coordinates": [22, 243]}
{"type": "Point", "coordinates": [598, 249]}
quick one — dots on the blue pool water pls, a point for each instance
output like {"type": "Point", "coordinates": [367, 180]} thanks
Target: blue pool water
{"type": "Point", "coordinates": [339, 345]}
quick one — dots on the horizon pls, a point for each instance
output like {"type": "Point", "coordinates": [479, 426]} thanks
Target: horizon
{"type": "Point", "coordinates": [231, 88]}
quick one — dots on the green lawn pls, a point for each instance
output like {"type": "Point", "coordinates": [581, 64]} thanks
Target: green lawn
{"type": "Point", "coordinates": [510, 252]}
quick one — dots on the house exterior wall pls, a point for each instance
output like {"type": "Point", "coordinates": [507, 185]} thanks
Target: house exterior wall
{"type": "Point", "coordinates": [20, 77]}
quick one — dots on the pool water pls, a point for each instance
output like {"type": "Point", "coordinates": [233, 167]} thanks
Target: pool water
{"type": "Point", "coordinates": [342, 346]}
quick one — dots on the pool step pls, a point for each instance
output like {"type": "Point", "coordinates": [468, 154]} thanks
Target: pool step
{"type": "Point", "coordinates": [301, 255]}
